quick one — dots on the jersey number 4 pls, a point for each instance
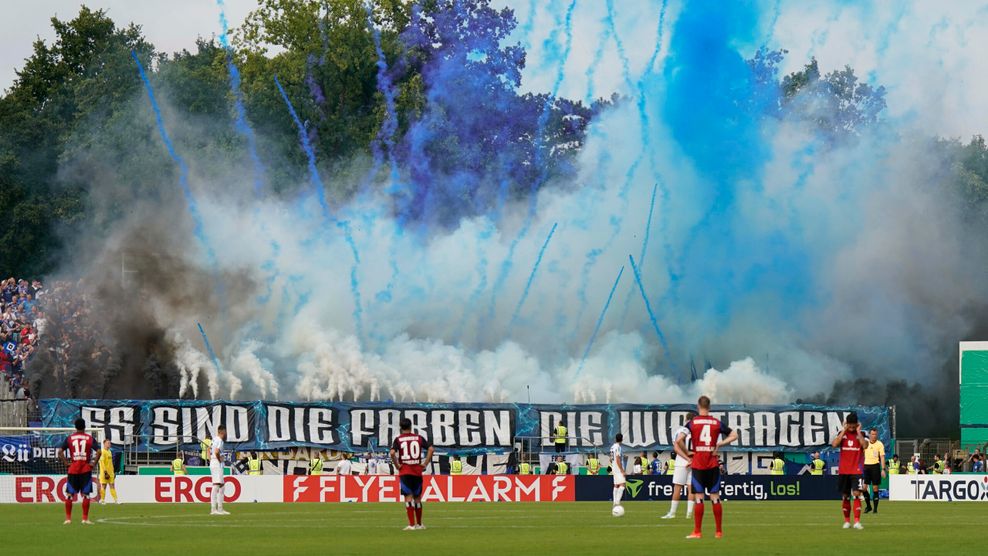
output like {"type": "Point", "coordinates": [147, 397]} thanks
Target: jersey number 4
{"type": "Point", "coordinates": [705, 436]}
{"type": "Point", "coordinates": [410, 450]}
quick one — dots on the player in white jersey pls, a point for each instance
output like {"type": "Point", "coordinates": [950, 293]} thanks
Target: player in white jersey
{"type": "Point", "coordinates": [682, 473]}
{"type": "Point", "coordinates": [617, 468]}
{"type": "Point", "coordinates": [216, 471]}
{"type": "Point", "coordinates": [372, 464]}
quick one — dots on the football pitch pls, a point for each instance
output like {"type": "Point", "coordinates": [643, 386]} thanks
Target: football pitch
{"type": "Point", "coordinates": [470, 528]}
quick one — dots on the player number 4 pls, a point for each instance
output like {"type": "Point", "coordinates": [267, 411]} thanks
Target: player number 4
{"type": "Point", "coordinates": [705, 435]}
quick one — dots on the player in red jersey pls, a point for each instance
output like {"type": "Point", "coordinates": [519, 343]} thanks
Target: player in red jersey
{"type": "Point", "coordinates": [706, 432]}
{"type": "Point", "coordinates": [852, 443]}
{"type": "Point", "coordinates": [78, 455]}
{"type": "Point", "coordinates": [406, 454]}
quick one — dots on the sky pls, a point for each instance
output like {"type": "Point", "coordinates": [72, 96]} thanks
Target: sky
{"type": "Point", "coordinates": [170, 25]}
{"type": "Point", "coordinates": [924, 51]}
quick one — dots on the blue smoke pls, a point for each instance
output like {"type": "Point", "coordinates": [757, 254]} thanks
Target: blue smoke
{"type": "Point", "coordinates": [303, 138]}
{"type": "Point", "coordinates": [600, 321]}
{"type": "Point", "coordinates": [209, 349]}
{"type": "Point", "coordinates": [320, 188]}
{"type": "Point", "coordinates": [531, 278]}
{"type": "Point", "coordinates": [183, 169]}
{"type": "Point", "coordinates": [242, 125]}
{"type": "Point", "coordinates": [648, 308]}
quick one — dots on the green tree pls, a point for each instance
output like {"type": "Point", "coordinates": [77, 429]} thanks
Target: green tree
{"type": "Point", "coordinates": [78, 81]}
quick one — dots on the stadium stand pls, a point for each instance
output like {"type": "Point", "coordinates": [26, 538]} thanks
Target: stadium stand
{"type": "Point", "coordinates": [21, 324]}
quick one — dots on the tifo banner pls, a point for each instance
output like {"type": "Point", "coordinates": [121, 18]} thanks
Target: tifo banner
{"type": "Point", "coordinates": [733, 487]}
{"type": "Point", "coordinates": [436, 488]}
{"type": "Point", "coordinates": [458, 428]}
{"type": "Point", "coordinates": [939, 488]}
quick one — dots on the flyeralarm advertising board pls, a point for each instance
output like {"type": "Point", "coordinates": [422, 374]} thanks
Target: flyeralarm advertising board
{"type": "Point", "coordinates": [435, 488]}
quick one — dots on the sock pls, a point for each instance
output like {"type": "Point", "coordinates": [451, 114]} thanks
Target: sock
{"type": "Point", "coordinates": [875, 501]}
{"type": "Point", "coordinates": [68, 508]}
{"type": "Point", "coordinates": [857, 509]}
{"type": "Point", "coordinates": [698, 518]}
{"type": "Point", "coordinates": [673, 507]}
{"type": "Point", "coordinates": [618, 494]}
{"type": "Point", "coordinates": [102, 493]}
{"type": "Point", "coordinates": [410, 512]}
{"type": "Point", "coordinates": [689, 507]}
{"type": "Point", "coordinates": [113, 492]}
{"type": "Point", "coordinates": [212, 499]}
{"type": "Point", "coordinates": [219, 496]}
{"type": "Point", "coordinates": [846, 505]}
{"type": "Point", "coordinates": [85, 507]}
{"type": "Point", "coordinates": [418, 513]}
{"type": "Point", "coordinates": [867, 498]}
{"type": "Point", "coordinates": [718, 513]}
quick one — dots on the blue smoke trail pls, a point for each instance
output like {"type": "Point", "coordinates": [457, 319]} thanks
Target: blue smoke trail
{"type": "Point", "coordinates": [183, 170]}
{"type": "Point", "coordinates": [389, 127]}
{"type": "Point", "coordinates": [619, 44]}
{"type": "Point", "coordinates": [648, 307]}
{"type": "Point", "coordinates": [600, 321]}
{"type": "Point", "coordinates": [242, 126]}
{"type": "Point", "coordinates": [317, 183]}
{"type": "Point", "coordinates": [646, 148]}
{"type": "Point", "coordinates": [310, 154]}
{"type": "Point", "coordinates": [209, 349]}
{"type": "Point", "coordinates": [531, 278]}
{"type": "Point", "coordinates": [539, 163]}
{"type": "Point", "coordinates": [641, 255]}
{"type": "Point", "coordinates": [385, 135]}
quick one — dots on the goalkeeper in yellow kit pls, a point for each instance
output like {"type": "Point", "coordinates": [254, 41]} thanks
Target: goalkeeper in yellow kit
{"type": "Point", "coordinates": [106, 473]}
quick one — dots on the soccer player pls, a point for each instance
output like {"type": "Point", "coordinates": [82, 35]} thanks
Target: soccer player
{"type": "Point", "coordinates": [216, 470]}
{"type": "Point", "coordinates": [852, 444]}
{"type": "Point", "coordinates": [406, 454]}
{"type": "Point", "coordinates": [681, 474]}
{"type": "Point", "coordinates": [77, 454]}
{"type": "Point", "coordinates": [874, 469]}
{"type": "Point", "coordinates": [617, 468]}
{"type": "Point", "coordinates": [106, 473]}
{"type": "Point", "coordinates": [706, 432]}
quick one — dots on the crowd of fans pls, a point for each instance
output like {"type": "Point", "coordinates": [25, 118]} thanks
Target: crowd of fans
{"type": "Point", "coordinates": [22, 325]}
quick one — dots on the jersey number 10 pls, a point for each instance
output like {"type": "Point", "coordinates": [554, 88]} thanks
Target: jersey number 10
{"type": "Point", "coordinates": [410, 450]}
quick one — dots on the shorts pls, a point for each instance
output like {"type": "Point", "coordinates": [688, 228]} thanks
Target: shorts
{"type": "Point", "coordinates": [106, 478]}
{"type": "Point", "coordinates": [706, 481]}
{"type": "Point", "coordinates": [216, 471]}
{"type": "Point", "coordinates": [411, 485]}
{"type": "Point", "coordinates": [681, 475]}
{"type": "Point", "coordinates": [873, 474]}
{"type": "Point", "coordinates": [848, 483]}
{"type": "Point", "coordinates": [79, 483]}
{"type": "Point", "coordinates": [618, 478]}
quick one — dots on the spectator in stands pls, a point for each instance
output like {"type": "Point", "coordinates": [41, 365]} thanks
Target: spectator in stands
{"type": "Point", "coordinates": [977, 464]}
{"type": "Point", "coordinates": [511, 468]}
{"type": "Point", "coordinates": [655, 467]}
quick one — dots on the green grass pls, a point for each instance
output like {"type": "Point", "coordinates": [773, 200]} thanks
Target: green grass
{"type": "Point", "coordinates": [465, 528]}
